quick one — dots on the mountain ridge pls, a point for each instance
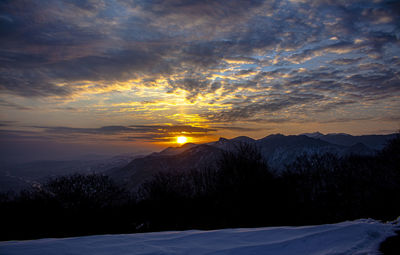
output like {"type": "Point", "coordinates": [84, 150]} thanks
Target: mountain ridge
{"type": "Point", "coordinates": [277, 150]}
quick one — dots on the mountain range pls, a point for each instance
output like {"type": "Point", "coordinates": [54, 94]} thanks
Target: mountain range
{"type": "Point", "coordinates": [277, 150]}
{"type": "Point", "coordinates": [132, 170]}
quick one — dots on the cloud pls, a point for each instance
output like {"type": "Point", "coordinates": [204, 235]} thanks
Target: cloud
{"type": "Point", "coordinates": [230, 60]}
{"type": "Point", "coordinates": [12, 105]}
{"type": "Point", "coordinates": [133, 132]}
{"type": "Point", "coordinates": [338, 120]}
{"type": "Point", "coordinates": [250, 110]}
{"type": "Point", "coordinates": [240, 129]}
{"type": "Point", "coordinates": [5, 123]}
{"type": "Point", "coordinates": [345, 61]}
{"type": "Point", "coordinates": [190, 8]}
{"type": "Point", "coordinates": [22, 135]}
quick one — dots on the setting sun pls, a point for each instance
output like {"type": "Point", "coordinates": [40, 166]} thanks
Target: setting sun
{"type": "Point", "coordinates": [181, 139]}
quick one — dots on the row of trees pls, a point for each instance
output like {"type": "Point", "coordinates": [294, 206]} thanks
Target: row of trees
{"type": "Point", "coordinates": [242, 191]}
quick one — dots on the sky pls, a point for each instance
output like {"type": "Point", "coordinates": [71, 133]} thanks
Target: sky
{"type": "Point", "coordinates": [80, 77]}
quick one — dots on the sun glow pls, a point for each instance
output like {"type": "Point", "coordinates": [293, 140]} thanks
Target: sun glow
{"type": "Point", "coordinates": [181, 139]}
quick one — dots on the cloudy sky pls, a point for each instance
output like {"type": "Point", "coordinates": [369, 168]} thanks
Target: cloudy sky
{"type": "Point", "coordinates": [114, 76]}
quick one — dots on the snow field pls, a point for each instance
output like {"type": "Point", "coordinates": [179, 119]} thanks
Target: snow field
{"type": "Point", "coordinates": [351, 237]}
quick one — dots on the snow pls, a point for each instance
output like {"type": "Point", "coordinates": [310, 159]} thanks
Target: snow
{"type": "Point", "coordinates": [352, 237]}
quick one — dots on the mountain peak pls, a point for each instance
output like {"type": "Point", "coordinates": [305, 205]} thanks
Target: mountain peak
{"type": "Point", "coordinates": [273, 136]}
{"type": "Point", "coordinates": [222, 139]}
{"type": "Point", "coordinates": [186, 145]}
{"type": "Point", "coordinates": [313, 135]}
{"type": "Point", "coordinates": [344, 134]}
{"type": "Point", "coordinates": [245, 139]}
{"type": "Point", "coordinates": [175, 150]}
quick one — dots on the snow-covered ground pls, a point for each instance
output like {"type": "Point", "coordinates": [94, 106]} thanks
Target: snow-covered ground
{"type": "Point", "coordinates": [355, 237]}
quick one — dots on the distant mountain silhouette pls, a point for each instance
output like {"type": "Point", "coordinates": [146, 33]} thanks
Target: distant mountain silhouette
{"type": "Point", "coordinates": [141, 169]}
{"type": "Point", "coordinates": [277, 150]}
{"type": "Point", "coordinates": [375, 142]}
{"type": "Point", "coordinates": [314, 135]}
{"type": "Point", "coordinates": [174, 150]}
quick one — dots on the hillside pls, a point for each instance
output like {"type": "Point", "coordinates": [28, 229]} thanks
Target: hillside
{"type": "Point", "coordinates": [141, 169]}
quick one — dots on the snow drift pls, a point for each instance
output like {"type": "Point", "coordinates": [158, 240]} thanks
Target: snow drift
{"type": "Point", "coordinates": [355, 237]}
